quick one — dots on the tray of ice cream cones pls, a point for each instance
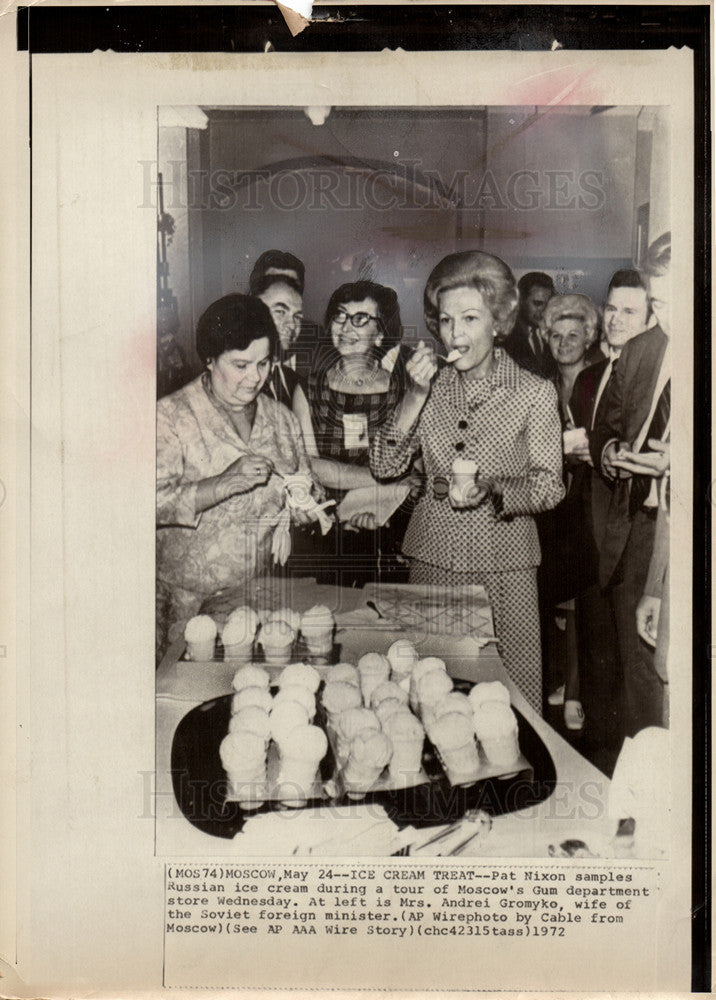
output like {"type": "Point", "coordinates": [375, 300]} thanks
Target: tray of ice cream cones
{"type": "Point", "coordinates": [272, 638]}
{"type": "Point", "coordinates": [393, 728]}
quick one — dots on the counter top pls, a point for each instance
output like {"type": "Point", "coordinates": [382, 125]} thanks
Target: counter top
{"type": "Point", "coordinates": [575, 810]}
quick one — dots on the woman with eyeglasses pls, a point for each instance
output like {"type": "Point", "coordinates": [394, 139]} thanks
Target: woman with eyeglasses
{"type": "Point", "coordinates": [351, 391]}
{"type": "Point", "coordinates": [484, 408]}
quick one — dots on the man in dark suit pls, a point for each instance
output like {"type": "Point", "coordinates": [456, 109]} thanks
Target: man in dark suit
{"type": "Point", "coordinates": [525, 344]}
{"type": "Point", "coordinates": [281, 262]}
{"type": "Point", "coordinates": [626, 313]}
{"type": "Point", "coordinates": [635, 413]}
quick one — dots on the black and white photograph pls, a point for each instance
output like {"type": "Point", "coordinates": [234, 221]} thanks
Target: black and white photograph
{"type": "Point", "coordinates": [413, 479]}
{"type": "Point", "coordinates": [356, 637]}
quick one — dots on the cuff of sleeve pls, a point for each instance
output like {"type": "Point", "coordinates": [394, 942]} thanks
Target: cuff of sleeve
{"type": "Point", "coordinates": [393, 437]}
{"type": "Point", "coordinates": [514, 497]}
{"type": "Point", "coordinates": [601, 458]}
{"type": "Point", "coordinates": [183, 511]}
{"type": "Point", "coordinates": [498, 504]}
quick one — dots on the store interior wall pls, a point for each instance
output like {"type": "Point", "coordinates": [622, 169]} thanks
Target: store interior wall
{"type": "Point", "coordinates": [386, 193]}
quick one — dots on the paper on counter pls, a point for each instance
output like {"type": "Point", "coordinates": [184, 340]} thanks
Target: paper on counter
{"type": "Point", "coordinates": [381, 500]}
{"type": "Point", "coordinates": [355, 831]}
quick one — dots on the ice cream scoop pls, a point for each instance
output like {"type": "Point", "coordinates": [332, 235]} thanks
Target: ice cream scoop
{"type": "Point", "coordinates": [250, 696]}
{"type": "Point", "coordinates": [390, 707]}
{"type": "Point", "coordinates": [431, 688]}
{"type": "Point", "coordinates": [242, 622]}
{"type": "Point", "coordinates": [496, 727]}
{"type": "Point", "coordinates": [200, 636]}
{"type": "Point", "coordinates": [238, 634]}
{"type": "Point", "coordinates": [402, 657]}
{"type": "Point", "coordinates": [339, 696]}
{"type": "Point", "coordinates": [427, 664]}
{"type": "Point", "coordinates": [296, 692]}
{"type": "Point", "coordinates": [423, 666]}
{"type": "Point", "coordinates": [343, 672]}
{"type": "Point", "coordinates": [488, 691]}
{"type": "Point", "coordinates": [276, 638]}
{"type": "Point", "coordinates": [240, 752]}
{"type": "Point", "coordinates": [454, 739]}
{"type": "Point", "coordinates": [243, 757]}
{"type": "Point", "coordinates": [454, 701]}
{"type": "Point", "coordinates": [374, 669]}
{"type": "Point", "coordinates": [369, 752]}
{"type": "Point", "coordinates": [302, 674]}
{"type": "Point", "coordinates": [407, 736]}
{"type": "Point", "coordinates": [317, 629]}
{"type": "Point", "coordinates": [386, 690]}
{"type": "Point", "coordinates": [251, 719]}
{"type": "Point", "coordinates": [350, 723]}
{"type": "Point", "coordinates": [288, 615]}
{"type": "Point", "coordinates": [301, 752]}
{"type": "Point", "coordinates": [285, 717]}
{"type": "Point", "coordinates": [250, 676]}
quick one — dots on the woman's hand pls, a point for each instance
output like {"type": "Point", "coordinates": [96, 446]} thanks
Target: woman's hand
{"type": "Point", "coordinates": [581, 454]}
{"type": "Point", "coordinates": [475, 494]}
{"type": "Point", "coordinates": [421, 368]}
{"type": "Point", "coordinates": [243, 475]}
{"type": "Point", "coordinates": [365, 521]}
{"type": "Point", "coordinates": [302, 517]}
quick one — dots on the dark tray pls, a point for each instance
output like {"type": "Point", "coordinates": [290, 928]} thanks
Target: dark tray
{"type": "Point", "coordinates": [200, 783]}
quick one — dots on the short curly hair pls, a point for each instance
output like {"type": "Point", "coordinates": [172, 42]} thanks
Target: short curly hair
{"type": "Point", "coordinates": [232, 323]}
{"type": "Point", "coordinates": [579, 307]}
{"type": "Point", "coordinates": [385, 299]}
{"type": "Point", "coordinates": [484, 272]}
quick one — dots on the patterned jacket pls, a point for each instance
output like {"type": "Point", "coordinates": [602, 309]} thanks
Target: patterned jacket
{"type": "Point", "coordinates": [508, 423]}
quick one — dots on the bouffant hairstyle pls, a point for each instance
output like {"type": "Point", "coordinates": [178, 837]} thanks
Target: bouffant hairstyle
{"type": "Point", "coordinates": [658, 257]}
{"type": "Point", "coordinates": [231, 324]}
{"type": "Point", "coordinates": [578, 307]}
{"type": "Point", "coordinates": [385, 299]}
{"type": "Point", "coordinates": [473, 269]}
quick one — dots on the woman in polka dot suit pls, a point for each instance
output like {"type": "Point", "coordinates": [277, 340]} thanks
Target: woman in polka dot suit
{"type": "Point", "coordinates": [481, 406]}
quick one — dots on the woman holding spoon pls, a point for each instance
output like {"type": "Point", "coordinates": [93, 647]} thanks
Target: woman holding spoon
{"type": "Point", "coordinates": [482, 408]}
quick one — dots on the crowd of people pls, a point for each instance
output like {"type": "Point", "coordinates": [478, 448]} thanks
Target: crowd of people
{"type": "Point", "coordinates": [558, 410]}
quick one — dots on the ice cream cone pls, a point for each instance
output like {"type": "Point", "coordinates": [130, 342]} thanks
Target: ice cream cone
{"type": "Point", "coordinates": [200, 637]}
{"type": "Point", "coordinates": [454, 739]}
{"type": "Point", "coordinates": [369, 753]}
{"type": "Point", "coordinates": [301, 753]}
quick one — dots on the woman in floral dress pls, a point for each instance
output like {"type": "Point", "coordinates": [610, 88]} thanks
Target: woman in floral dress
{"type": "Point", "coordinates": [222, 448]}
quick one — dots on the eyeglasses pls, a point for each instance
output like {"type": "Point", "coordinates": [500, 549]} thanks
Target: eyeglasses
{"type": "Point", "coordinates": [357, 319]}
